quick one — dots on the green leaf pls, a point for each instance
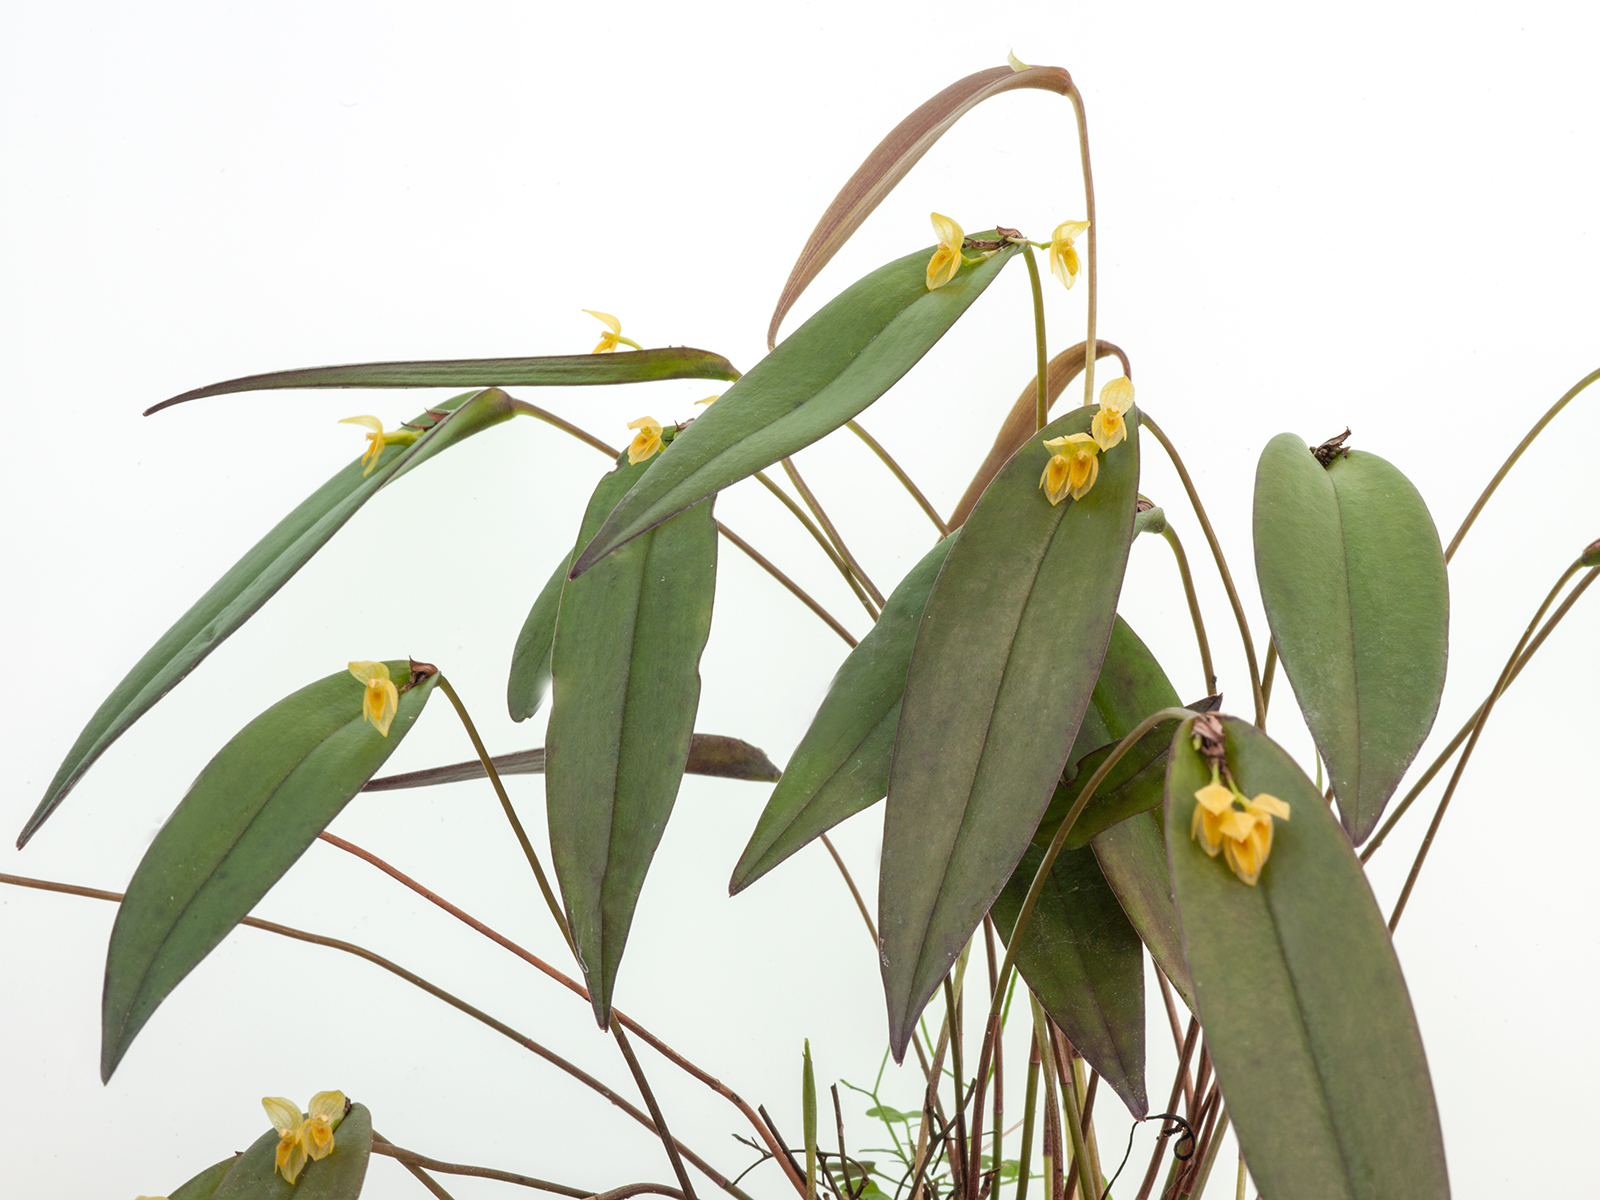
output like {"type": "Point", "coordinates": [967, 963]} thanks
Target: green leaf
{"type": "Point", "coordinates": [1301, 997]}
{"type": "Point", "coordinates": [250, 815]}
{"type": "Point", "coordinates": [841, 765]}
{"type": "Point", "coordinates": [626, 685]}
{"type": "Point", "coordinates": [1133, 858]}
{"type": "Point", "coordinates": [1006, 657]}
{"type": "Point", "coordinates": [836, 364]}
{"type": "Point", "coordinates": [882, 1112]}
{"type": "Point", "coordinates": [1083, 960]}
{"type": "Point", "coordinates": [1353, 580]}
{"type": "Point", "coordinates": [204, 1185]}
{"type": "Point", "coordinates": [566, 370]}
{"type": "Point", "coordinates": [253, 580]}
{"type": "Point", "coordinates": [530, 658]}
{"type": "Point", "coordinates": [339, 1176]}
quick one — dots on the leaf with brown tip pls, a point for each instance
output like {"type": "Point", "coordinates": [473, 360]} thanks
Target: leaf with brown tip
{"type": "Point", "coordinates": [891, 159]}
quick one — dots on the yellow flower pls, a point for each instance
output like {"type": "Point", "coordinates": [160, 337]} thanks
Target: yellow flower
{"type": "Point", "coordinates": [285, 1117]}
{"type": "Point", "coordinates": [1243, 836]}
{"type": "Point", "coordinates": [946, 260]}
{"type": "Point", "coordinates": [374, 440]}
{"type": "Point", "coordinates": [708, 400]}
{"type": "Point", "coordinates": [303, 1139]}
{"type": "Point", "coordinates": [647, 441]}
{"type": "Point", "coordinates": [316, 1135]}
{"type": "Point", "coordinates": [1063, 258]}
{"type": "Point", "coordinates": [1074, 467]}
{"type": "Point", "coordinates": [1116, 398]}
{"type": "Point", "coordinates": [1215, 803]}
{"type": "Point", "coordinates": [382, 698]}
{"type": "Point", "coordinates": [608, 341]}
{"type": "Point", "coordinates": [1016, 63]}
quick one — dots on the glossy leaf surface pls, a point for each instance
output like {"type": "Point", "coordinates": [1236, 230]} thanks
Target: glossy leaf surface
{"type": "Point", "coordinates": [827, 371]}
{"type": "Point", "coordinates": [565, 370]}
{"type": "Point", "coordinates": [339, 1176]}
{"type": "Point", "coordinates": [626, 683]}
{"type": "Point", "coordinates": [1304, 1007]}
{"type": "Point", "coordinates": [1006, 657]}
{"type": "Point", "coordinates": [889, 161]}
{"type": "Point", "coordinates": [253, 580]}
{"type": "Point", "coordinates": [1084, 961]}
{"type": "Point", "coordinates": [841, 765]}
{"type": "Point", "coordinates": [1353, 580]}
{"type": "Point", "coordinates": [250, 815]}
{"type": "Point", "coordinates": [204, 1185]}
{"type": "Point", "coordinates": [712, 754]}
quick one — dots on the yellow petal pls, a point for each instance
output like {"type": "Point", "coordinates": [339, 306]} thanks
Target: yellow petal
{"type": "Point", "coordinates": [1269, 806]}
{"type": "Point", "coordinates": [942, 267]}
{"type": "Point", "coordinates": [607, 319]}
{"type": "Point", "coordinates": [1216, 798]}
{"type": "Point", "coordinates": [1117, 395]}
{"type": "Point", "coordinates": [371, 423]}
{"type": "Point", "coordinates": [1080, 490]}
{"type": "Point", "coordinates": [366, 672]}
{"type": "Point", "coordinates": [284, 1114]}
{"type": "Point", "coordinates": [1248, 855]}
{"type": "Point", "coordinates": [650, 423]}
{"type": "Point", "coordinates": [328, 1107]}
{"type": "Point", "coordinates": [947, 231]}
{"type": "Point", "coordinates": [1203, 827]}
{"type": "Point", "coordinates": [1068, 230]}
{"type": "Point", "coordinates": [708, 400]}
{"type": "Point", "coordinates": [1056, 443]}
{"type": "Point", "coordinates": [1016, 63]}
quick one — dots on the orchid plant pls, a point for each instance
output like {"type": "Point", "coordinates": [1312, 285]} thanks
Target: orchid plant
{"type": "Point", "coordinates": [1050, 803]}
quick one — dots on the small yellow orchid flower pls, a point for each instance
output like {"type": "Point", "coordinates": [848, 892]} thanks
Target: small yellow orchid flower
{"type": "Point", "coordinates": [285, 1117]}
{"type": "Point", "coordinates": [382, 698]}
{"type": "Point", "coordinates": [647, 441]}
{"type": "Point", "coordinates": [947, 259]}
{"type": "Point", "coordinates": [377, 439]}
{"type": "Point", "coordinates": [1074, 467]}
{"type": "Point", "coordinates": [1215, 803]}
{"type": "Point", "coordinates": [1108, 426]}
{"type": "Point", "coordinates": [316, 1134]}
{"type": "Point", "coordinates": [1064, 262]}
{"type": "Point", "coordinates": [708, 400]}
{"type": "Point", "coordinates": [613, 338]}
{"type": "Point", "coordinates": [1016, 63]}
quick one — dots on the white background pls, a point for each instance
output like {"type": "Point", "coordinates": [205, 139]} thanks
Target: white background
{"type": "Point", "coordinates": [1381, 217]}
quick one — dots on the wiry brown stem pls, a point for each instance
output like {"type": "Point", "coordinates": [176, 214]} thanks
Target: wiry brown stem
{"type": "Point", "coordinates": [899, 473]}
{"type": "Point", "coordinates": [829, 528]}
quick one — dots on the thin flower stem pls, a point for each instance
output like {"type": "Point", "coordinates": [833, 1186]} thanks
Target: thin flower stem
{"type": "Point", "coordinates": [1213, 1144]}
{"type": "Point", "coordinates": [1054, 1171]}
{"type": "Point", "coordinates": [1030, 1102]}
{"type": "Point", "coordinates": [1461, 734]}
{"type": "Point", "coordinates": [1025, 913]}
{"type": "Point", "coordinates": [434, 990]}
{"type": "Point", "coordinates": [1041, 356]}
{"type": "Point", "coordinates": [1472, 741]}
{"type": "Point", "coordinates": [435, 1188]}
{"type": "Point", "coordinates": [1180, 1078]}
{"type": "Point", "coordinates": [381, 1145]}
{"type": "Point", "coordinates": [565, 981]}
{"type": "Point", "coordinates": [1177, 1038]}
{"type": "Point", "coordinates": [1238, 1191]}
{"type": "Point", "coordinates": [1171, 536]}
{"type": "Point", "coordinates": [958, 1149]}
{"type": "Point", "coordinates": [1072, 1115]}
{"type": "Point", "coordinates": [511, 813]}
{"type": "Point", "coordinates": [1094, 253]}
{"type": "Point", "coordinates": [1222, 564]}
{"type": "Point", "coordinates": [799, 592]}
{"type": "Point", "coordinates": [821, 539]}
{"type": "Point", "coordinates": [899, 473]}
{"type": "Point", "coordinates": [611, 452]}
{"type": "Point", "coordinates": [1505, 469]}
{"type": "Point", "coordinates": [656, 1114]}
{"type": "Point", "coordinates": [831, 530]}
{"type": "Point", "coordinates": [1268, 671]}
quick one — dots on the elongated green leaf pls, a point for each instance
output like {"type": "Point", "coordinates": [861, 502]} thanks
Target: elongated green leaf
{"type": "Point", "coordinates": [339, 1176]}
{"type": "Point", "coordinates": [1083, 960]}
{"type": "Point", "coordinates": [626, 670]}
{"type": "Point", "coordinates": [250, 815]}
{"type": "Point", "coordinates": [1353, 580]}
{"type": "Point", "coordinates": [1133, 858]}
{"type": "Point", "coordinates": [1006, 657]}
{"type": "Point", "coordinates": [1301, 997]}
{"type": "Point", "coordinates": [889, 161]}
{"type": "Point", "coordinates": [204, 1185]}
{"type": "Point", "coordinates": [565, 370]}
{"type": "Point", "coordinates": [530, 657]}
{"type": "Point", "coordinates": [709, 754]}
{"type": "Point", "coordinates": [827, 371]}
{"type": "Point", "coordinates": [253, 580]}
{"type": "Point", "coordinates": [841, 765]}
